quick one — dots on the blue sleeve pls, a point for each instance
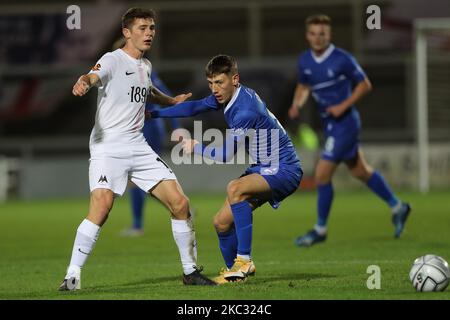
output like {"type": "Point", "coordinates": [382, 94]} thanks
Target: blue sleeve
{"type": "Point", "coordinates": [174, 123]}
{"type": "Point", "coordinates": [159, 84]}
{"type": "Point", "coordinates": [352, 69]}
{"type": "Point", "coordinates": [244, 122]}
{"type": "Point", "coordinates": [187, 108]}
{"type": "Point", "coordinates": [302, 77]}
{"type": "Point", "coordinates": [223, 153]}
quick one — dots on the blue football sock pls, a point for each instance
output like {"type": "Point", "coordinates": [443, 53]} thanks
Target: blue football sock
{"type": "Point", "coordinates": [324, 200]}
{"type": "Point", "coordinates": [242, 213]}
{"type": "Point", "coordinates": [378, 185]}
{"type": "Point", "coordinates": [228, 246]}
{"type": "Point", "coordinates": [137, 206]}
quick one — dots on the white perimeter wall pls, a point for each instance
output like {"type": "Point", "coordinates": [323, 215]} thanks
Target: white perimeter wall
{"type": "Point", "coordinates": [68, 177]}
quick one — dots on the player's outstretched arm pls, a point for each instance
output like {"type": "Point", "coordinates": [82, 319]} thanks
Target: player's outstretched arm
{"type": "Point", "coordinates": [185, 109]}
{"type": "Point", "coordinates": [360, 90]}
{"type": "Point", "coordinates": [84, 83]}
{"type": "Point", "coordinates": [243, 128]}
{"type": "Point", "coordinates": [158, 97]}
{"type": "Point", "coordinates": [222, 153]}
{"type": "Point", "coordinates": [300, 96]}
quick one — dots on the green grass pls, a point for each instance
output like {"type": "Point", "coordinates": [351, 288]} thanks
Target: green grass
{"type": "Point", "coordinates": [36, 240]}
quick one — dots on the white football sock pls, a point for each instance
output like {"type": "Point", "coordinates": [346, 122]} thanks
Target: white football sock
{"type": "Point", "coordinates": [320, 230]}
{"type": "Point", "coordinates": [87, 235]}
{"type": "Point", "coordinates": [397, 208]}
{"type": "Point", "coordinates": [184, 236]}
{"type": "Point", "coordinates": [244, 256]}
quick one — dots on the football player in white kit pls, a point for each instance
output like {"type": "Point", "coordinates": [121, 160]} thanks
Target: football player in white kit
{"type": "Point", "coordinates": [120, 152]}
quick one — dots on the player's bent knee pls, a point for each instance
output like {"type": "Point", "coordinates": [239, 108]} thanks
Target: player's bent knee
{"type": "Point", "coordinates": [358, 175]}
{"type": "Point", "coordinates": [232, 186]}
{"type": "Point", "coordinates": [100, 206]}
{"type": "Point", "coordinates": [321, 179]}
{"type": "Point", "coordinates": [234, 192]}
{"type": "Point", "coordinates": [220, 226]}
{"type": "Point", "coordinates": [363, 175]}
{"type": "Point", "coordinates": [179, 207]}
{"type": "Point", "coordinates": [102, 199]}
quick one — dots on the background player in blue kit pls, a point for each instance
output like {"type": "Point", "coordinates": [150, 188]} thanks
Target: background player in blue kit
{"type": "Point", "coordinates": [155, 133]}
{"type": "Point", "coordinates": [337, 82]}
{"type": "Point", "coordinates": [275, 175]}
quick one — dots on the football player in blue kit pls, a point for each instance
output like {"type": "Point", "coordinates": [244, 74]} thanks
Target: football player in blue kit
{"type": "Point", "coordinates": [337, 82]}
{"type": "Point", "coordinates": [155, 133]}
{"type": "Point", "coordinates": [275, 174]}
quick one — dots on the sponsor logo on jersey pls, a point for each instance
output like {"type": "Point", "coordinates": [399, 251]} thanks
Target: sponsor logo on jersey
{"type": "Point", "coordinates": [330, 73]}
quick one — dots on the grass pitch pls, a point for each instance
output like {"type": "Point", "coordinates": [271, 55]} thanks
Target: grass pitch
{"type": "Point", "coordinates": [36, 240]}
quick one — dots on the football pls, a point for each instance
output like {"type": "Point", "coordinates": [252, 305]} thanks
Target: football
{"type": "Point", "coordinates": [429, 273]}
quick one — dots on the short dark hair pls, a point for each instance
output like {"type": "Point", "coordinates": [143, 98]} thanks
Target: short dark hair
{"type": "Point", "coordinates": [221, 63]}
{"type": "Point", "coordinates": [136, 13]}
{"type": "Point", "coordinates": [318, 19]}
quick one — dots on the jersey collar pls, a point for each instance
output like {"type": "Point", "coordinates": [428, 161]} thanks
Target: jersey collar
{"type": "Point", "coordinates": [324, 55]}
{"type": "Point", "coordinates": [233, 99]}
{"type": "Point", "coordinates": [135, 61]}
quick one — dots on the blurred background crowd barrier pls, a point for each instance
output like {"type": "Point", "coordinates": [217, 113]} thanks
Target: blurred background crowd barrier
{"type": "Point", "coordinates": [44, 130]}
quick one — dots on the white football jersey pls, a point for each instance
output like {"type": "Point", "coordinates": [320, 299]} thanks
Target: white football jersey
{"type": "Point", "coordinates": [122, 94]}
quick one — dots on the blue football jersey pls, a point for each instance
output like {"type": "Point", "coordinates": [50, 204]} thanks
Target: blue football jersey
{"type": "Point", "coordinates": [247, 117]}
{"type": "Point", "coordinates": [331, 78]}
{"type": "Point", "coordinates": [246, 111]}
{"type": "Point", "coordinates": [253, 125]}
{"type": "Point", "coordinates": [154, 130]}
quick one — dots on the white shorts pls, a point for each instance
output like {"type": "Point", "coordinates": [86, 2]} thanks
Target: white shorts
{"type": "Point", "coordinates": [112, 165]}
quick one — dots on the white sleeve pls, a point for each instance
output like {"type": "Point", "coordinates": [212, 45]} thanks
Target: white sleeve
{"type": "Point", "coordinates": [150, 67]}
{"type": "Point", "coordinates": [104, 68]}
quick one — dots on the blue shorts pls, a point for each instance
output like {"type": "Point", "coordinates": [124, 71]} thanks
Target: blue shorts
{"type": "Point", "coordinates": [155, 133]}
{"type": "Point", "coordinates": [283, 181]}
{"type": "Point", "coordinates": [341, 147]}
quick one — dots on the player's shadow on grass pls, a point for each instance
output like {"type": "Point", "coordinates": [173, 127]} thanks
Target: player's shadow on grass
{"type": "Point", "coordinates": [294, 276]}
{"type": "Point", "coordinates": [156, 280]}
{"type": "Point", "coordinates": [137, 285]}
